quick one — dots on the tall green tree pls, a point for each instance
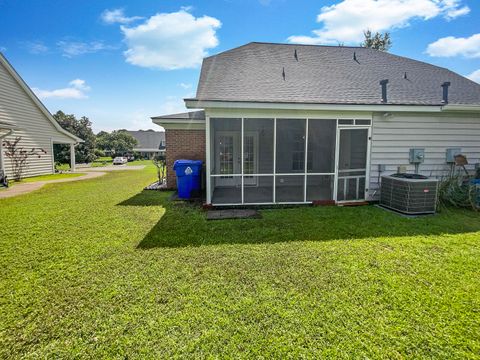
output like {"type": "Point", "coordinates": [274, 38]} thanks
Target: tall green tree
{"type": "Point", "coordinates": [377, 41]}
{"type": "Point", "coordinates": [84, 152]}
{"type": "Point", "coordinates": [118, 142]}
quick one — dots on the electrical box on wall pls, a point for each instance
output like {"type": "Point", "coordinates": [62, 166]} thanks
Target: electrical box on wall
{"type": "Point", "coordinates": [451, 153]}
{"type": "Point", "coordinates": [417, 156]}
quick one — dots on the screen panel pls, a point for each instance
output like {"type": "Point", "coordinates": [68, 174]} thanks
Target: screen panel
{"type": "Point", "coordinates": [258, 146]}
{"type": "Point", "coordinates": [290, 152]}
{"type": "Point", "coordinates": [225, 140]}
{"type": "Point", "coordinates": [259, 192]}
{"type": "Point", "coordinates": [320, 187]}
{"type": "Point", "coordinates": [289, 188]}
{"type": "Point", "coordinates": [321, 145]}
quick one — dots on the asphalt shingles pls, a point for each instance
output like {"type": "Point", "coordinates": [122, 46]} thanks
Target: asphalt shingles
{"type": "Point", "coordinates": [327, 75]}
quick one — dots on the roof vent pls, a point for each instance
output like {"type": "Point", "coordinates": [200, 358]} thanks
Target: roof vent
{"type": "Point", "coordinates": [295, 55]}
{"type": "Point", "coordinates": [445, 86]}
{"type": "Point", "coordinates": [405, 75]}
{"type": "Point", "coordinates": [355, 56]}
{"type": "Point", "coordinates": [384, 83]}
{"type": "Point", "coordinates": [283, 73]}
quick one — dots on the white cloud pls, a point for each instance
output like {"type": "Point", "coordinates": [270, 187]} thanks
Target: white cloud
{"type": "Point", "coordinates": [35, 47]}
{"type": "Point", "coordinates": [455, 12]}
{"type": "Point", "coordinates": [76, 90]}
{"type": "Point", "coordinates": [140, 120]}
{"type": "Point", "coordinates": [171, 40]}
{"type": "Point", "coordinates": [346, 20]}
{"type": "Point", "coordinates": [185, 86]}
{"type": "Point", "coordinates": [75, 48]}
{"type": "Point", "coordinates": [475, 76]}
{"type": "Point", "coordinates": [117, 16]}
{"type": "Point", "coordinates": [453, 46]}
{"type": "Point", "coordinates": [172, 105]}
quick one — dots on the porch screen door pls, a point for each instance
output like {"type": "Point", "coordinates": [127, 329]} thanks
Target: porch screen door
{"type": "Point", "coordinates": [352, 164]}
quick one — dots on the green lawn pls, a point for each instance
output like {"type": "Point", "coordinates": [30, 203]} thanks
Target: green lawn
{"type": "Point", "coordinates": [101, 269]}
{"type": "Point", "coordinates": [102, 161]}
{"type": "Point", "coordinates": [139, 162]}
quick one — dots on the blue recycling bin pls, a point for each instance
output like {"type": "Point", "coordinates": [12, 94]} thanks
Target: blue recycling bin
{"type": "Point", "coordinates": [476, 183]}
{"type": "Point", "coordinates": [189, 177]}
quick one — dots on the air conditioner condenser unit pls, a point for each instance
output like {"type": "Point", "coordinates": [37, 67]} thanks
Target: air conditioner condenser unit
{"type": "Point", "coordinates": [411, 194]}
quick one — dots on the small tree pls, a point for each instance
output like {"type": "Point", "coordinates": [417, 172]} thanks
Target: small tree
{"type": "Point", "coordinates": [377, 41]}
{"type": "Point", "coordinates": [161, 166]}
{"type": "Point", "coordinates": [19, 156]}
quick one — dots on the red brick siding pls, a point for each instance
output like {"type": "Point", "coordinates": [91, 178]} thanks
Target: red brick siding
{"type": "Point", "coordinates": [182, 144]}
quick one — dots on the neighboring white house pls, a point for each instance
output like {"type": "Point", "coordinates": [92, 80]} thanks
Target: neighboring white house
{"type": "Point", "coordinates": [286, 123]}
{"type": "Point", "coordinates": [150, 143]}
{"type": "Point", "coordinates": [23, 115]}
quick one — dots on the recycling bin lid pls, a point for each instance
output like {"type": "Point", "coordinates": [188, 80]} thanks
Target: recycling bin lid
{"type": "Point", "coordinates": [183, 162]}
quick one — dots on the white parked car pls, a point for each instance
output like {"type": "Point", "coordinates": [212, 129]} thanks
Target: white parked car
{"type": "Point", "coordinates": [119, 160]}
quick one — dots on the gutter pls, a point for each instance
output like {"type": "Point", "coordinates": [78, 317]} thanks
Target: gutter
{"type": "Point", "coordinates": [196, 104]}
{"type": "Point", "coordinates": [461, 108]}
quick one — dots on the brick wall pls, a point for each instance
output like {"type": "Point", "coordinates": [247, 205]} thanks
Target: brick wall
{"type": "Point", "coordinates": [182, 144]}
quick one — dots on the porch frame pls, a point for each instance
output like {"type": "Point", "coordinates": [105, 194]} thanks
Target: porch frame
{"type": "Point", "coordinates": [354, 118]}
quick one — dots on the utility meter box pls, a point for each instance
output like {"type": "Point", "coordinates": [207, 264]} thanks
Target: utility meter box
{"type": "Point", "coordinates": [417, 156]}
{"type": "Point", "coordinates": [451, 153]}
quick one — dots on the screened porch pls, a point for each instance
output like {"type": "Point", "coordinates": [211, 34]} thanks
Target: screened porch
{"type": "Point", "coordinates": [286, 161]}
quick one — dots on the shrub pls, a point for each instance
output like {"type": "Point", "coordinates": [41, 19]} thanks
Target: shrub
{"type": "Point", "coordinates": [458, 191]}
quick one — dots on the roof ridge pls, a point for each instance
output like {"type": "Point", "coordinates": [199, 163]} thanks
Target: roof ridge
{"type": "Point", "coordinates": [314, 45]}
{"type": "Point", "coordinates": [289, 44]}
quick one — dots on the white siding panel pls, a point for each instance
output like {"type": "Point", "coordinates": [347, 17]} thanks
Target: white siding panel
{"type": "Point", "coordinates": [34, 128]}
{"type": "Point", "coordinates": [392, 138]}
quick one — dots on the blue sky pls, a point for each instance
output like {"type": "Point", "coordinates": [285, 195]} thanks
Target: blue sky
{"type": "Point", "coordinates": [120, 62]}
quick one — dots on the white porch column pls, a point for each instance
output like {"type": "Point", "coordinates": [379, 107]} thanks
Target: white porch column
{"type": "Point", "coordinates": [72, 157]}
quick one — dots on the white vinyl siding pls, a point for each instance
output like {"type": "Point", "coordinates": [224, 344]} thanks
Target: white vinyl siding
{"type": "Point", "coordinates": [394, 135]}
{"type": "Point", "coordinates": [34, 127]}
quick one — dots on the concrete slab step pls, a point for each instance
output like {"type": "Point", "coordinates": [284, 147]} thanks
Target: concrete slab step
{"type": "Point", "coordinates": [233, 214]}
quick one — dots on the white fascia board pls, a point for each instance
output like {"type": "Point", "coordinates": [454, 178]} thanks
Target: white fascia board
{"type": "Point", "coordinates": [35, 99]}
{"type": "Point", "coordinates": [194, 104]}
{"type": "Point", "coordinates": [462, 108]}
{"type": "Point", "coordinates": [180, 124]}
{"type": "Point", "coordinates": [148, 150]}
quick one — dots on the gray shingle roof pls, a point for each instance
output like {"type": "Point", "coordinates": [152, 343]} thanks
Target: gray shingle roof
{"type": "Point", "coordinates": [326, 75]}
{"type": "Point", "coordinates": [191, 115]}
{"type": "Point", "coordinates": [149, 139]}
